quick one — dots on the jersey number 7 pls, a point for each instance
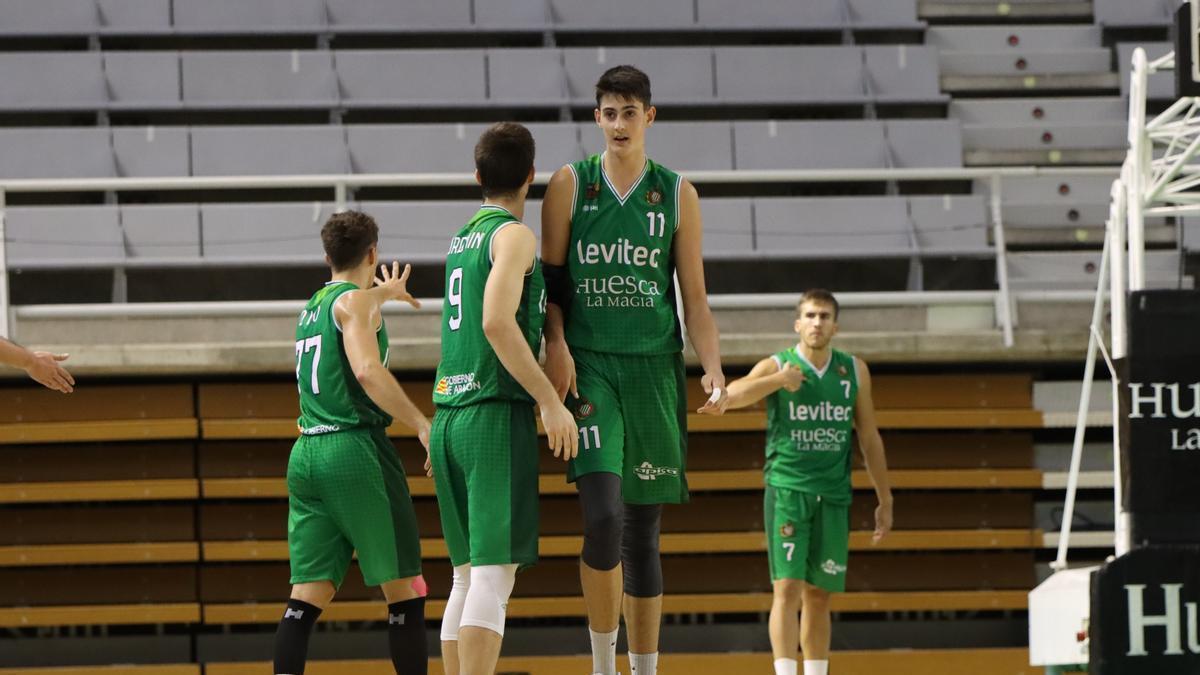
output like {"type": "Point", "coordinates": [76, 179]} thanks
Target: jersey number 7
{"type": "Point", "coordinates": [302, 348]}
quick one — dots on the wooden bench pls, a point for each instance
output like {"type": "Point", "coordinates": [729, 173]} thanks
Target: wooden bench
{"type": "Point", "coordinates": [181, 669]}
{"type": "Point", "coordinates": [99, 491]}
{"type": "Point", "coordinates": [995, 661]}
{"type": "Point", "coordinates": [100, 615]}
{"type": "Point", "coordinates": [696, 603]}
{"type": "Point", "coordinates": [681, 543]}
{"type": "Point", "coordinates": [99, 554]}
{"type": "Point", "coordinates": [99, 413]}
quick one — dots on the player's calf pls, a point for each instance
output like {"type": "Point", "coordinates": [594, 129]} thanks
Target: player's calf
{"type": "Point", "coordinates": [406, 625]}
{"type": "Point", "coordinates": [291, 638]}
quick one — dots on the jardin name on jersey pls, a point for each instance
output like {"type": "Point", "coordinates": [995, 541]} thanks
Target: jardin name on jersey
{"type": "Point", "coordinates": [454, 385]}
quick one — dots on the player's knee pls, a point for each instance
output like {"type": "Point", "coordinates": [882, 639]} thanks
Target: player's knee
{"type": "Point", "coordinates": [487, 596]}
{"type": "Point", "coordinates": [642, 564]}
{"type": "Point", "coordinates": [816, 599]}
{"type": "Point", "coordinates": [789, 592]}
{"type": "Point", "coordinates": [315, 593]}
{"type": "Point", "coordinates": [602, 525]}
{"type": "Point", "coordinates": [452, 615]}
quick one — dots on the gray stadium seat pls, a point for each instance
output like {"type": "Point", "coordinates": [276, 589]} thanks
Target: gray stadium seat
{"type": "Point", "coordinates": [443, 77]}
{"type": "Point", "coordinates": [44, 152]}
{"type": "Point", "coordinates": [167, 232]}
{"type": "Point", "coordinates": [686, 146]}
{"type": "Point", "coordinates": [1050, 215]}
{"type": "Point", "coordinates": [1191, 234]}
{"type": "Point", "coordinates": [1057, 189]}
{"type": "Point", "coordinates": [258, 78]}
{"type": "Point", "coordinates": [393, 16]}
{"type": "Point", "coordinates": [84, 17]}
{"type": "Point", "coordinates": [1040, 110]}
{"type": "Point", "coordinates": [728, 228]}
{"type": "Point", "coordinates": [142, 79]}
{"type": "Point", "coordinates": [1029, 38]}
{"type": "Point", "coordinates": [249, 150]}
{"type": "Point", "coordinates": [924, 143]}
{"type": "Point", "coordinates": [1125, 14]}
{"type": "Point", "coordinates": [950, 224]}
{"type": "Point", "coordinates": [46, 236]}
{"type": "Point", "coordinates": [52, 80]}
{"type": "Point", "coordinates": [418, 231]}
{"type": "Point", "coordinates": [832, 227]}
{"type": "Point", "coordinates": [809, 145]}
{"type": "Point", "coordinates": [614, 15]}
{"type": "Point", "coordinates": [240, 16]}
{"type": "Point", "coordinates": [773, 14]}
{"type": "Point", "coordinates": [150, 151]}
{"type": "Point", "coordinates": [1078, 270]}
{"type": "Point", "coordinates": [903, 73]}
{"type": "Point", "coordinates": [447, 148]}
{"type": "Point", "coordinates": [1063, 136]}
{"type": "Point", "coordinates": [1161, 84]}
{"type": "Point", "coordinates": [256, 233]}
{"type": "Point", "coordinates": [526, 77]}
{"type": "Point", "coordinates": [790, 74]}
{"type": "Point", "coordinates": [513, 14]}
{"type": "Point", "coordinates": [677, 74]}
{"type": "Point", "coordinates": [884, 14]}
{"type": "Point", "coordinates": [1023, 62]}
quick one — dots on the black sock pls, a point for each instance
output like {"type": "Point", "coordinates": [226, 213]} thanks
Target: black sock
{"type": "Point", "coordinates": [291, 638]}
{"type": "Point", "coordinates": [406, 637]}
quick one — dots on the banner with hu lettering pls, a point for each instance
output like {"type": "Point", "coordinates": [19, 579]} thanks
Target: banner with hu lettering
{"type": "Point", "coordinates": [1144, 613]}
{"type": "Point", "coordinates": [1160, 401]}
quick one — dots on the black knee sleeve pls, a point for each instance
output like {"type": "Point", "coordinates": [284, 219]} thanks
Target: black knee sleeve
{"type": "Point", "coordinates": [639, 550]}
{"type": "Point", "coordinates": [291, 637]}
{"type": "Point", "coordinates": [600, 499]}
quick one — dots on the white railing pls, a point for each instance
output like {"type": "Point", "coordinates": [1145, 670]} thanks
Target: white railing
{"type": "Point", "coordinates": [341, 184]}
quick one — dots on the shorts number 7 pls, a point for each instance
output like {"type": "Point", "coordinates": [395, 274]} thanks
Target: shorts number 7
{"type": "Point", "coordinates": [790, 547]}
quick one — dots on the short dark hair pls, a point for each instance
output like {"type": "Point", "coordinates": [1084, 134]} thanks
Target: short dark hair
{"type": "Point", "coordinates": [347, 236]}
{"type": "Point", "coordinates": [504, 158]}
{"type": "Point", "coordinates": [819, 295]}
{"type": "Point", "coordinates": [624, 82]}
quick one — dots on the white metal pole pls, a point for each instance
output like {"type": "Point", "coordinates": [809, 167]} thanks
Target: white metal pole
{"type": "Point", "coordinates": [1123, 538]}
{"type": "Point", "coordinates": [1006, 318]}
{"type": "Point", "coordinates": [1139, 171]}
{"type": "Point", "coordinates": [1085, 402]}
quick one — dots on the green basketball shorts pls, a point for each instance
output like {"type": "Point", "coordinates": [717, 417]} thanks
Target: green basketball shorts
{"type": "Point", "coordinates": [485, 470]}
{"type": "Point", "coordinates": [807, 538]}
{"type": "Point", "coordinates": [347, 492]}
{"type": "Point", "coordinates": [632, 415]}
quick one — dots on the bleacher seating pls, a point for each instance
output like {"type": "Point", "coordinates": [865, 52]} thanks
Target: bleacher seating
{"type": "Point", "coordinates": [1161, 85]}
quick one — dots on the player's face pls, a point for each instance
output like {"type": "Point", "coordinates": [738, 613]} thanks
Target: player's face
{"type": "Point", "coordinates": [624, 122]}
{"type": "Point", "coordinates": [816, 324]}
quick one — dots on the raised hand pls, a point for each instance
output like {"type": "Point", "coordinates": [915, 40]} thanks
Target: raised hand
{"type": "Point", "coordinates": [394, 283]}
{"type": "Point", "coordinates": [792, 377]}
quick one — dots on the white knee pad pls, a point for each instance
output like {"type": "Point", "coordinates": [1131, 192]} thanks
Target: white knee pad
{"type": "Point", "coordinates": [487, 597]}
{"type": "Point", "coordinates": [452, 617]}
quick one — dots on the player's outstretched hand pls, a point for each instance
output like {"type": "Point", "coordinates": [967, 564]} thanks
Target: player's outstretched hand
{"type": "Point", "coordinates": [883, 522]}
{"type": "Point", "coordinates": [45, 370]}
{"type": "Point", "coordinates": [428, 465]}
{"type": "Point", "coordinates": [561, 431]}
{"type": "Point", "coordinates": [792, 377]}
{"type": "Point", "coordinates": [718, 394]}
{"type": "Point", "coordinates": [560, 370]}
{"type": "Point", "coordinates": [395, 283]}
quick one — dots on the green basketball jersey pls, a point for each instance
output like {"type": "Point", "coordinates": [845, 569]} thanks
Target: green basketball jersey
{"type": "Point", "coordinates": [470, 371]}
{"type": "Point", "coordinates": [331, 399]}
{"type": "Point", "coordinates": [809, 432]}
{"type": "Point", "coordinates": [620, 262]}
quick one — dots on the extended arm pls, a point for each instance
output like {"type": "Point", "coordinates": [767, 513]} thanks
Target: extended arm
{"type": "Point", "coordinates": [871, 444]}
{"type": "Point", "coordinates": [360, 317]}
{"type": "Point", "coordinates": [513, 250]}
{"type": "Point", "coordinates": [556, 238]}
{"type": "Point", "coordinates": [43, 367]}
{"type": "Point", "coordinates": [701, 326]}
{"type": "Point", "coordinates": [762, 381]}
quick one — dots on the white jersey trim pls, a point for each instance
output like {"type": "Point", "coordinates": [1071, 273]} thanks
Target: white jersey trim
{"type": "Point", "coordinates": [678, 184]}
{"type": "Point", "coordinates": [574, 192]}
{"type": "Point", "coordinates": [819, 371]}
{"type": "Point", "coordinates": [623, 198]}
